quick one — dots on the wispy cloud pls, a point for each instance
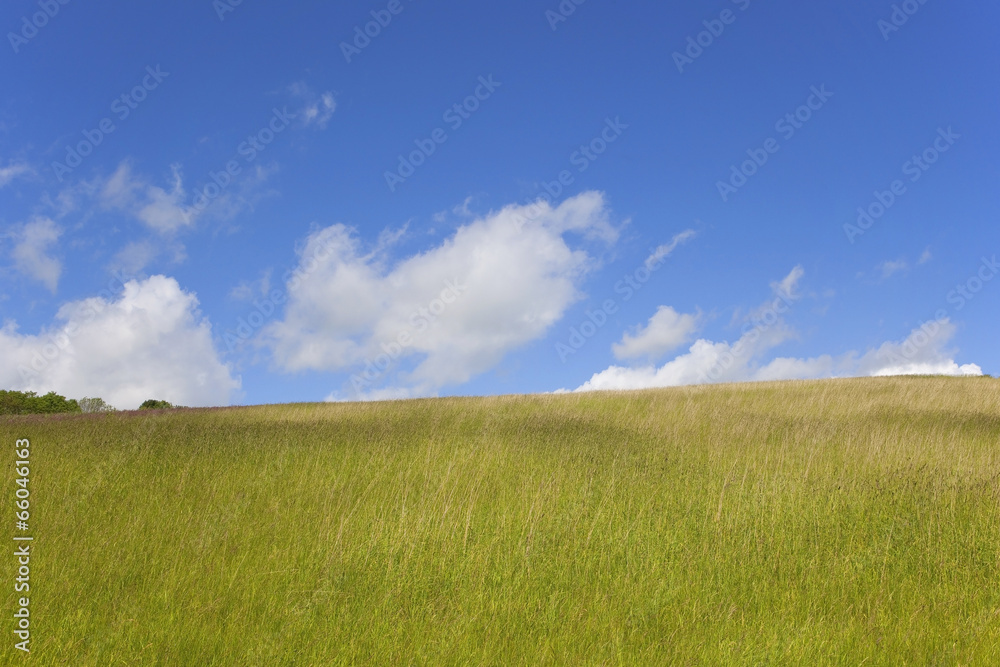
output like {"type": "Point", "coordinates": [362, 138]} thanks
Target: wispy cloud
{"type": "Point", "coordinates": [786, 286]}
{"type": "Point", "coordinates": [32, 242]}
{"type": "Point", "coordinates": [664, 250]}
{"type": "Point", "coordinates": [889, 268]}
{"type": "Point", "coordinates": [163, 210]}
{"type": "Point", "coordinates": [12, 171]}
{"type": "Point", "coordinates": [317, 109]}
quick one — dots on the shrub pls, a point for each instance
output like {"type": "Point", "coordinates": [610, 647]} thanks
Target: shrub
{"type": "Point", "coordinates": [95, 405]}
{"type": "Point", "coordinates": [153, 404]}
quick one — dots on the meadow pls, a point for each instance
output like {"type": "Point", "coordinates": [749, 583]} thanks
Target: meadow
{"type": "Point", "coordinates": [840, 522]}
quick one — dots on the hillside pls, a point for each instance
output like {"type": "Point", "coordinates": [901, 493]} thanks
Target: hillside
{"type": "Point", "coordinates": [816, 522]}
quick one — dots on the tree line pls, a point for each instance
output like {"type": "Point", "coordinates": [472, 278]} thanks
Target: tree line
{"type": "Point", "coordinates": [30, 403]}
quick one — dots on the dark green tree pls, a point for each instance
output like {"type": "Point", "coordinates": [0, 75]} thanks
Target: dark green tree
{"type": "Point", "coordinates": [30, 403]}
{"type": "Point", "coordinates": [153, 404]}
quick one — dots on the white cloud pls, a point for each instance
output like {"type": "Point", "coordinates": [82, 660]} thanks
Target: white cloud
{"type": "Point", "coordinates": [247, 291]}
{"type": "Point", "coordinates": [165, 211]}
{"type": "Point", "coordinates": [387, 394]}
{"type": "Point", "coordinates": [666, 331]}
{"type": "Point", "coordinates": [787, 368]}
{"type": "Point", "coordinates": [119, 189]}
{"type": "Point", "coordinates": [664, 250]}
{"type": "Point", "coordinates": [12, 171]}
{"type": "Point", "coordinates": [244, 194]}
{"type": "Point", "coordinates": [162, 210]}
{"type": "Point", "coordinates": [786, 286]}
{"type": "Point", "coordinates": [462, 210]}
{"type": "Point", "coordinates": [888, 268]}
{"type": "Point", "coordinates": [705, 361]}
{"type": "Point", "coordinates": [318, 109]}
{"type": "Point", "coordinates": [923, 351]}
{"type": "Point", "coordinates": [151, 342]}
{"type": "Point", "coordinates": [134, 257]}
{"type": "Point", "coordinates": [30, 253]}
{"type": "Point", "coordinates": [785, 292]}
{"type": "Point", "coordinates": [497, 283]}
{"type": "Point", "coordinates": [925, 256]}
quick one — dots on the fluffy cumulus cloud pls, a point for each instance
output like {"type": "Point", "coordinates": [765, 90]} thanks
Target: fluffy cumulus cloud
{"type": "Point", "coordinates": [666, 331]}
{"type": "Point", "coordinates": [497, 283]}
{"type": "Point", "coordinates": [144, 339]}
{"type": "Point", "coordinates": [924, 351]}
{"type": "Point", "coordinates": [32, 243]}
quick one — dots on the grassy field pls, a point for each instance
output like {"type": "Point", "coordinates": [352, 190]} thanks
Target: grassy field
{"type": "Point", "coordinates": [798, 523]}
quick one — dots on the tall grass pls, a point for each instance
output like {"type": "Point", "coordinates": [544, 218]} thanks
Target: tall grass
{"type": "Point", "coordinates": [831, 522]}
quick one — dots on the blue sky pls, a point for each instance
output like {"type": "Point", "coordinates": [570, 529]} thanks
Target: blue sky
{"type": "Point", "coordinates": [213, 203]}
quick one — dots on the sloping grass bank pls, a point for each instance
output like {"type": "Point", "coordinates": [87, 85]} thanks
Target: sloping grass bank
{"type": "Point", "coordinates": [830, 522]}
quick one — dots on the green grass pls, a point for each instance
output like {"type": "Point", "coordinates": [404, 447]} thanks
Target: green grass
{"type": "Point", "coordinates": [801, 523]}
